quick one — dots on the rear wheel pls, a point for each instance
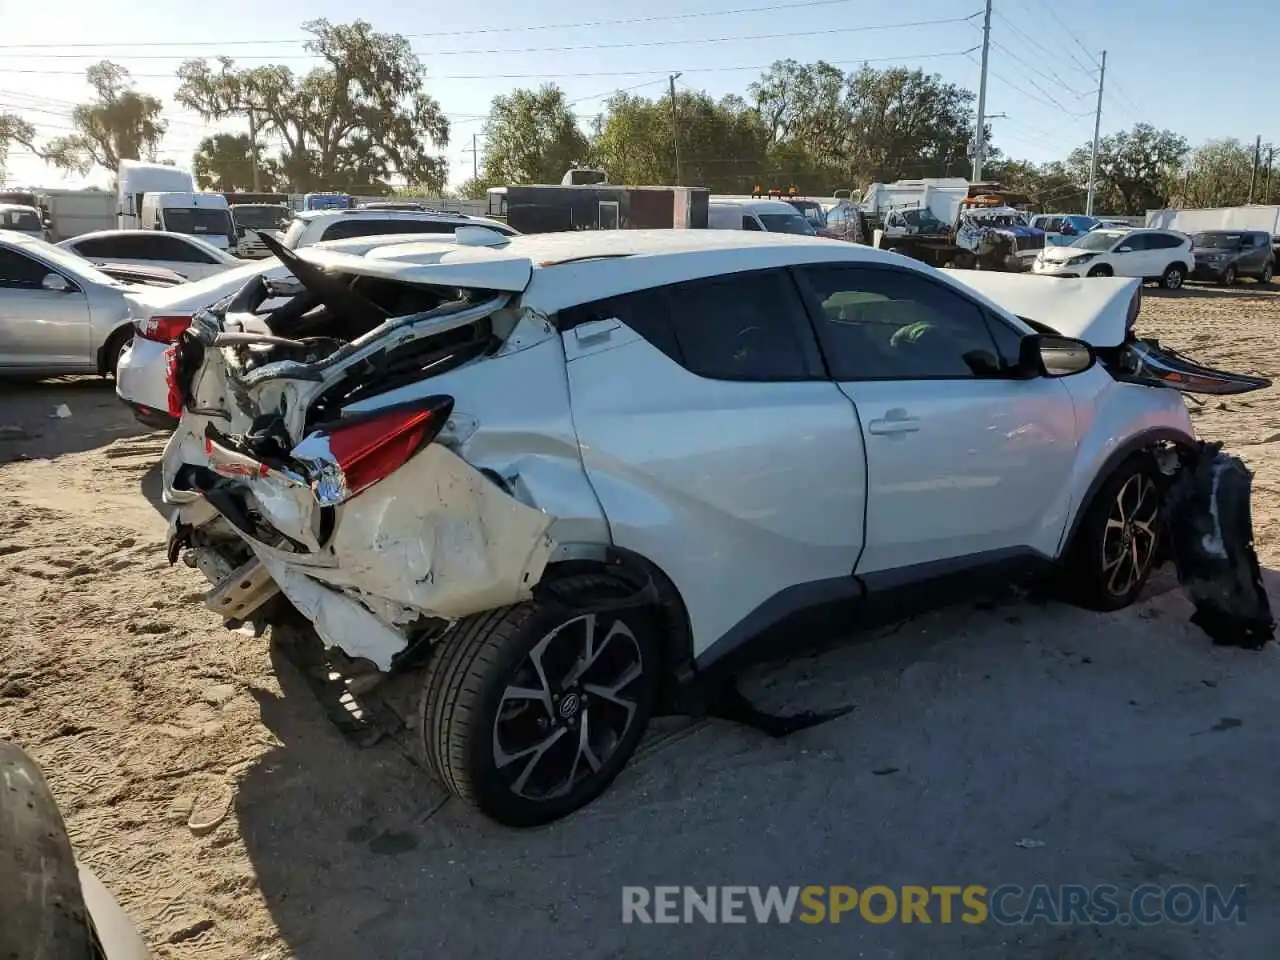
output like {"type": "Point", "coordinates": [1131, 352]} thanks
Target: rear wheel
{"type": "Point", "coordinates": [529, 712]}
{"type": "Point", "coordinates": [1102, 270]}
{"type": "Point", "coordinates": [1173, 276]}
{"type": "Point", "coordinates": [114, 350]}
{"type": "Point", "coordinates": [1117, 543]}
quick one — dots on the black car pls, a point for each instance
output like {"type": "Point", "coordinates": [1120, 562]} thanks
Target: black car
{"type": "Point", "coordinates": [1226, 255]}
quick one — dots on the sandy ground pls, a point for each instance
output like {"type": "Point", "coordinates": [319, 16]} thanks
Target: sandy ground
{"type": "Point", "coordinates": [202, 782]}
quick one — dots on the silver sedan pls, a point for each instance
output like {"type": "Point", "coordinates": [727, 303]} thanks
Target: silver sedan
{"type": "Point", "coordinates": [58, 312]}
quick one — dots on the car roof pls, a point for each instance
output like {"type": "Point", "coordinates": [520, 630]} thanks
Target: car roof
{"type": "Point", "coordinates": [128, 233]}
{"type": "Point", "coordinates": [761, 205]}
{"type": "Point", "coordinates": [20, 207]}
{"type": "Point", "coordinates": [359, 212]}
{"type": "Point", "coordinates": [559, 270]}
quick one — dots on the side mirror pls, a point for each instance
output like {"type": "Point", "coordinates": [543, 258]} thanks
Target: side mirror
{"type": "Point", "coordinates": [1043, 355]}
{"type": "Point", "coordinates": [55, 283]}
{"type": "Point", "coordinates": [1125, 249]}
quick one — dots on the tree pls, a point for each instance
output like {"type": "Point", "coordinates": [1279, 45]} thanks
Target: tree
{"type": "Point", "coordinates": [1216, 174]}
{"type": "Point", "coordinates": [531, 136]}
{"type": "Point", "coordinates": [1133, 170]}
{"type": "Point", "coordinates": [723, 144]}
{"type": "Point", "coordinates": [120, 124]}
{"type": "Point", "coordinates": [803, 103]}
{"type": "Point", "coordinates": [14, 130]}
{"type": "Point", "coordinates": [225, 162]}
{"type": "Point", "coordinates": [1050, 186]}
{"type": "Point", "coordinates": [352, 124]}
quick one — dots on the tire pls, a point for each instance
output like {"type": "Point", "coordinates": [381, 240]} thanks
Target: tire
{"type": "Point", "coordinates": [1267, 272]}
{"type": "Point", "coordinates": [1107, 566]}
{"type": "Point", "coordinates": [114, 349]}
{"type": "Point", "coordinates": [467, 716]}
{"type": "Point", "coordinates": [44, 913]}
{"type": "Point", "coordinates": [1101, 270]}
{"type": "Point", "coordinates": [1229, 276]}
{"type": "Point", "coordinates": [1173, 276]}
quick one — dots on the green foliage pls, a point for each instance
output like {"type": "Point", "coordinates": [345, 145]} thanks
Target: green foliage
{"type": "Point", "coordinates": [119, 124]}
{"type": "Point", "coordinates": [224, 162]}
{"type": "Point", "coordinates": [351, 125]}
{"type": "Point", "coordinates": [1134, 168]}
{"type": "Point", "coordinates": [531, 136]}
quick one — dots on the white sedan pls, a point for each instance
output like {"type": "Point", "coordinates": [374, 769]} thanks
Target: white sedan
{"type": "Point", "coordinates": [1160, 255]}
{"type": "Point", "coordinates": [189, 256]}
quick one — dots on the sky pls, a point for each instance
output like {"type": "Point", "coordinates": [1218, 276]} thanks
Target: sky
{"type": "Point", "coordinates": [1166, 64]}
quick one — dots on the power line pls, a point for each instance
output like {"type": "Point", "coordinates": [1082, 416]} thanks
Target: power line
{"type": "Point", "coordinates": [1048, 8]}
{"type": "Point", "coordinates": [556, 76]}
{"type": "Point", "coordinates": [1043, 92]}
{"type": "Point", "coordinates": [679, 41]}
{"type": "Point", "coordinates": [1031, 41]}
{"type": "Point", "coordinates": [771, 8]}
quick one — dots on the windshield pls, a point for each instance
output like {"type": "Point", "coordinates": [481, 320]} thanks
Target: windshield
{"type": "Point", "coordinates": [1083, 224]}
{"type": "Point", "coordinates": [20, 220]}
{"type": "Point", "coordinates": [1098, 240]}
{"type": "Point", "coordinates": [197, 221]}
{"type": "Point", "coordinates": [264, 216]}
{"type": "Point", "coordinates": [1218, 241]}
{"type": "Point", "coordinates": [787, 223]}
{"type": "Point", "coordinates": [811, 210]}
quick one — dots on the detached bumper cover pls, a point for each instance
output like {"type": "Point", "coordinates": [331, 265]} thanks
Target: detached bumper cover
{"type": "Point", "coordinates": [1210, 519]}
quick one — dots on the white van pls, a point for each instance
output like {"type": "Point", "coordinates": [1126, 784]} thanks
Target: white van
{"type": "Point", "coordinates": [136, 178]}
{"type": "Point", "coordinates": [773, 216]}
{"type": "Point", "coordinates": [203, 215]}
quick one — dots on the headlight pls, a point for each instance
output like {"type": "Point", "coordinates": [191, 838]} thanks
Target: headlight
{"type": "Point", "coordinates": [1083, 258]}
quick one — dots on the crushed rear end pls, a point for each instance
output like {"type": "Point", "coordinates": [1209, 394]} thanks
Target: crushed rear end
{"type": "Point", "coordinates": [314, 457]}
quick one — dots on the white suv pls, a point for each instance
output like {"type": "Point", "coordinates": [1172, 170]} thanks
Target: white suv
{"type": "Point", "coordinates": [313, 226]}
{"type": "Point", "coordinates": [1160, 255]}
{"type": "Point", "coordinates": [557, 480]}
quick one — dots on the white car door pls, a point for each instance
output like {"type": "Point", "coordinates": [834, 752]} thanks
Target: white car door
{"type": "Point", "coordinates": [708, 429]}
{"type": "Point", "coordinates": [962, 463]}
{"type": "Point", "coordinates": [41, 328]}
{"type": "Point", "coordinates": [1132, 257]}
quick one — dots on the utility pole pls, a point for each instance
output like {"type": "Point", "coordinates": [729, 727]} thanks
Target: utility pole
{"type": "Point", "coordinates": [1257, 160]}
{"type": "Point", "coordinates": [1271, 153]}
{"type": "Point", "coordinates": [475, 159]}
{"type": "Point", "coordinates": [979, 136]}
{"type": "Point", "coordinates": [1097, 127]}
{"type": "Point", "coordinates": [253, 150]}
{"type": "Point", "coordinates": [675, 125]}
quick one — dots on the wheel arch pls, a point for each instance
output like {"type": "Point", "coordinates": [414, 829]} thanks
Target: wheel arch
{"type": "Point", "coordinates": [644, 577]}
{"type": "Point", "coordinates": [1145, 443]}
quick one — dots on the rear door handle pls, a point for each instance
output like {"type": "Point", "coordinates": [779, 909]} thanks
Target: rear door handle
{"type": "Point", "coordinates": [893, 425]}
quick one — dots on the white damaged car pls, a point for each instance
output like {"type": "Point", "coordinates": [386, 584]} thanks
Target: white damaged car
{"type": "Point", "coordinates": [559, 481]}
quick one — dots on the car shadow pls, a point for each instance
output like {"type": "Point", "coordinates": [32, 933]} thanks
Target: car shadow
{"type": "Point", "coordinates": [45, 419]}
{"type": "Point", "coordinates": [974, 728]}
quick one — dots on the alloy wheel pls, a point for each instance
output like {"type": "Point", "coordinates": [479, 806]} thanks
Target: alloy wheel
{"type": "Point", "coordinates": [567, 708]}
{"type": "Point", "coordinates": [1173, 279]}
{"type": "Point", "coordinates": [1129, 540]}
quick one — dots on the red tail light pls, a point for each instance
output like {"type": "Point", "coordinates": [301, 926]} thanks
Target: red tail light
{"type": "Point", "coordinates": [174, 397]}
{"type": "Point", "coordinates": [351, 455]}
{"type": "Point", "coordinates": [163, 329]}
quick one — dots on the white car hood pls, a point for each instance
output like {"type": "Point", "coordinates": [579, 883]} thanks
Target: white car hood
{"type": "Point", "coordinates": [1096, 309]}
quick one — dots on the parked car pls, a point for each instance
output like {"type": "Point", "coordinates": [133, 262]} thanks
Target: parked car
{"type": "Point", "coordinates": [24, 219]}
{"type": "Point", "coordinates": [1160, 255]}
{"type": "Point", "coordinates": [252, 218]}
{"type": "Point", "coordinates": [313, 226]}
{"type": "Point", "coordinates": [1061, 229]}
{"type": "Point", "coordinates": [182, 253]}
{"type": "Point", "coordinates": [54, 907]}
{"type": "Point", "coordinates": [771, 216]}
{"type": "Point", "coordinates": [1226, 255]}
{"type": "Point", "coordinates": [58, 313]}
{"type": "Point", "coordinates": [141, 276]}
{"type": "Point", "coordinates": [158, 318]}
{"type": "Point", "coordinates": [578, 473]}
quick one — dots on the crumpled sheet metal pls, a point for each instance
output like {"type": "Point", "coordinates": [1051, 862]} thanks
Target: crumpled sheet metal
{"type": "Point", "coordinates": [1210, 519]}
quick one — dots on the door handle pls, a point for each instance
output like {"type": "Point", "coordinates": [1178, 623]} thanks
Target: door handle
{"type": "Point", "coordinates": [594, 330]}
{"type": "Point", "coordinates": [892, 425]}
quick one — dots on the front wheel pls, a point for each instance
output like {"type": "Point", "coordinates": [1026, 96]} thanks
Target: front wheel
{"type": "Point", "coordinates": [1229, 276]}
{"type": "Point", "coordinates": [1101, 270]}
{"type": "Point", "coordinates": [1117, 542]}
{"type": "Point", "coordinates": [1173, 276]}
{"type": "Point", "coordinates": [1267, 273]}
{"type": "Point", "coordinates": [529, 712]}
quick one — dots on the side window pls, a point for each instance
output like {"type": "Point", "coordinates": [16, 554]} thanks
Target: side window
{"type": "Point", "coordinates": [644, 312]}
{"type": "Point", "coordinates": [749, 222]}
{"type": "Point", "coordinates": [171, 248]}
{"type": "Point", "coordinates": [20, 272]}
{"type": "Point", "coordinates": [96, 247]}
{"type": "Point", "coordinates": [1162, 241]}
{"type": "Point", "coordinates": [1136, 242]}
{"type": "Point", "coordinates": [346, 229]}
{"type": "Point", "coordinates": [880, 324]}
{"type": "Point", "coordinates": [741, 327]}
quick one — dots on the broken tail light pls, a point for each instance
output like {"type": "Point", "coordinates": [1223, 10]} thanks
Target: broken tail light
{"type": "Point", "coordinates": [174, 398]}
{"type": "Point", "coordinates": [162, 329]}
{"type": "Point", "coordinates": [347, 456]}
